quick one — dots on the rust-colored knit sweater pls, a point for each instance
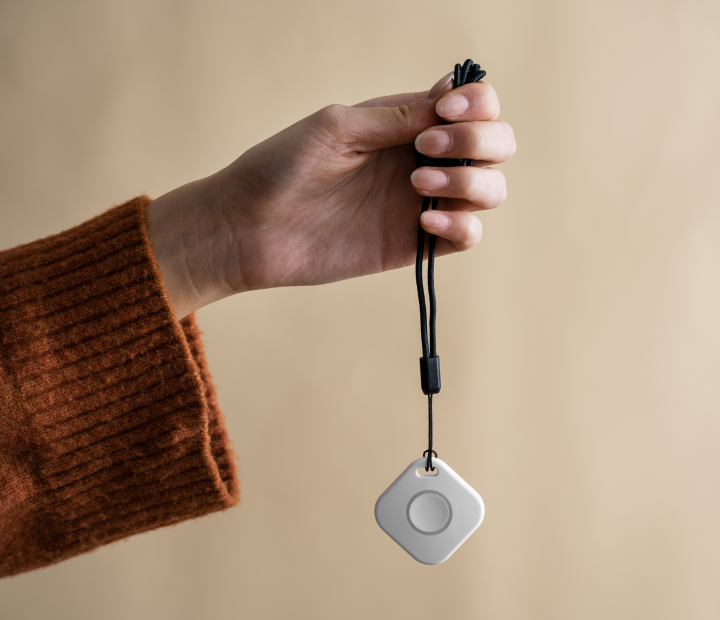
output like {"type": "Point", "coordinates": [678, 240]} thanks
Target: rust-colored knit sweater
{"type": "Point", "coordinates": [109, 424]}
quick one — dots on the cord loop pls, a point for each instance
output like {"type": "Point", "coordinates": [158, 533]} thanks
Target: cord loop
{"type": "Point", "coordinates": [467, 73]}
{"type": "Point", "coordinates": [429, 465]}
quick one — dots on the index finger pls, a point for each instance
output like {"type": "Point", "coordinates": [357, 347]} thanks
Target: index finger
{"type": "Point", "coordinates": [471, 102]}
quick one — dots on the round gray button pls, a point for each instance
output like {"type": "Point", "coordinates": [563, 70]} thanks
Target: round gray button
{"type": "Point", "coordinates": [429, 512]}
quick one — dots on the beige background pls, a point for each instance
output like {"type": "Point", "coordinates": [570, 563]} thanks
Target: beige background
{"type": "Point", "coordinates": [580, 340]}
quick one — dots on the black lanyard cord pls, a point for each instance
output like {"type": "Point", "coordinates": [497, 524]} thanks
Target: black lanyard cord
{"type": "Point", "coordinates": [467, 73]}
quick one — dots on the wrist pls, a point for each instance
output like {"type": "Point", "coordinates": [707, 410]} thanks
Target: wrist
{"type": "Point", "coordinates": [191, 255]}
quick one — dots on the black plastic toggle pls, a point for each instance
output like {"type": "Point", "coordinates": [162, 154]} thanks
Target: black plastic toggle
{"type": "Point", "coordinates": [430, 375]}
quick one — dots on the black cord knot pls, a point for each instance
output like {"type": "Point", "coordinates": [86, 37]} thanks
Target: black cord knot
{"type": "Point", "coordinates": [429, 465]}
{"type": "Point", "coordinates": [467, 73]}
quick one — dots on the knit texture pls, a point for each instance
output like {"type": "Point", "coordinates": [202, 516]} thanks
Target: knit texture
{"type": "Point", "coordinates": [109, 424]}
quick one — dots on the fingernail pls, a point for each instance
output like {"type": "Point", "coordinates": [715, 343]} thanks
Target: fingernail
{"type": "Point", "coordinates": [434, 142]}
{"type": "Point", "coordinates": [435, 220]}
{"type": "Point", "coordinates": [429, 178]}
{"type": "Point", "coordinates": [452, 106]}
{"type": "Point", "coordinates": [440, 86]}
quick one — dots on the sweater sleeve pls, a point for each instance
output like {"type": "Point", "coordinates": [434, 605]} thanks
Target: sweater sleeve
{"type": "Point", "coordinates": [109, 425]}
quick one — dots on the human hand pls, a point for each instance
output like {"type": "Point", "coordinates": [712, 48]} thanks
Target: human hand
{"type": "Point", "coordinates": [334, 196]}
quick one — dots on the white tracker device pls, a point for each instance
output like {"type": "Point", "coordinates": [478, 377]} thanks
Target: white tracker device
{"type": "Point", "coordinates": [429, 516]}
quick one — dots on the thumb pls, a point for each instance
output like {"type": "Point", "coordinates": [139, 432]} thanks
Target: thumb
{"type": "Point", "coordinates": [373, 128]}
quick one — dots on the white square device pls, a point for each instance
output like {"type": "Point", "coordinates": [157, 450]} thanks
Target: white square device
{"type": "Point", "coordinates": [429, 516]}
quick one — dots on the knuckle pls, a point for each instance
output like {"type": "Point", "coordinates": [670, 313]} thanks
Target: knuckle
{"type": "Point", "coordinates": [472, 139]}
{"type": "Point", "coordinates": [470, 232]}
{"type": "Point", "coordinates": [487, 187]}
{"type": "Point", "coordinates": [485, 100]}
{"type": "Point", "coordinates": [402, 115]}
{"type": "Point", "coordinates": [466, 183]}
{"type": "Point", "coordinates": [331, 116]}
{"type": "Point", "coordinates": [334, 128]}
{"type": "Point", "coordinates": [491, 102]}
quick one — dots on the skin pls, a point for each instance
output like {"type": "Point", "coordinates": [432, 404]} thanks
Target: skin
{"type": "Point", "coordinates": [334, 196]}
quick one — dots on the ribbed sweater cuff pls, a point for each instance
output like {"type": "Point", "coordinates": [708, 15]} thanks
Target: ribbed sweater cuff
{"type": "Point", "coordinates": [109, 424]}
